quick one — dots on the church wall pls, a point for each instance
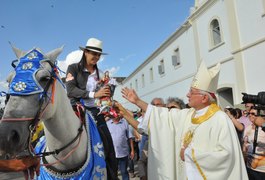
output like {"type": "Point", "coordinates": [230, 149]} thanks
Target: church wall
{"type": "Point", "coordinates": [241, 52]}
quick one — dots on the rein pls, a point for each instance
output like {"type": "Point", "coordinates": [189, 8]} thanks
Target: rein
{"type": "Point", "coordinates": [57, 151]}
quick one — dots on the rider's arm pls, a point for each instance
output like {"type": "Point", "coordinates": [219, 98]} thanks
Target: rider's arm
{"type": "Point", "coordinates": [76, 82]}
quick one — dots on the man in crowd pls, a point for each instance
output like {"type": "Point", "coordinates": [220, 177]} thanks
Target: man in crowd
{"type": "Point", "coordinates": [245, 118]}
{"type": "Point", "coordinates": [122, 139]}
{"type": "Point", "coordinates": [175, 102]}
{"type": "Point", "coordinates": [254, 145]}
{"type": "Point", "coordinates": [195, 143]}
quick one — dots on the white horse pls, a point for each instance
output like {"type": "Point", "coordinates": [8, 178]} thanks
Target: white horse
{"type": "Point", "coordinates": [71, 148]}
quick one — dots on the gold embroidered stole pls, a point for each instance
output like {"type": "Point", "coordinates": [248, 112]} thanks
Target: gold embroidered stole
{"type": "Point", "coordinates": [213, 108]}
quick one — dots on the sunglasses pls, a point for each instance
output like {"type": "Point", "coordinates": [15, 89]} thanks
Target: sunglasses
{"type": "Point", "coordinates": [249, 107]}
{"type": "Point", "coordinates": [253, 114]}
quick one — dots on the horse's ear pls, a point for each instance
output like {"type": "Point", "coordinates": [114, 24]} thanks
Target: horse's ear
{"type": "Point", "coordinates": [17, 51]}
{"type": "Point", "coordinates": [52, 55]}
{"type": "Point", "coordinates": [10, 76]}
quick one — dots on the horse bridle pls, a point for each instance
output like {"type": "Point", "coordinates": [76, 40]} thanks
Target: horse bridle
{"type": "Point", "coordinates": [36, 120]}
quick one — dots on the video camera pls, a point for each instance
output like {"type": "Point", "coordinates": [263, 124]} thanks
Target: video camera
{"type": "Point", "coordinates": [255, 99]}
{"type": "Point", "coordinates": [259, 102]}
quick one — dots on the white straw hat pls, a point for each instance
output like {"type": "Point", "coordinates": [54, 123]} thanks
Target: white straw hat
{"type": "Point", "coordinates": [93, 44]}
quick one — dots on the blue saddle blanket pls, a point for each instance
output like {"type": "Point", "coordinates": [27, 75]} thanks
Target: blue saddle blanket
{"type": "Point", "coordinates": [94, 167]}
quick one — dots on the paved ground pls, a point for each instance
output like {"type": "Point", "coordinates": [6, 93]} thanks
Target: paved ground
{"type": "Point", "coordinates": [136, 177]}
{"type": "Point", "coordinates": [135, 172]}
{"type": "Point", "coordinates": [20, 176]}
{"type": "Point", "coordinates": [13, 176]}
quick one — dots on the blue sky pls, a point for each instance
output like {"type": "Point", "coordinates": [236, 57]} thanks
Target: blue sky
{"type": "Point", "coordinates": [130, 29]}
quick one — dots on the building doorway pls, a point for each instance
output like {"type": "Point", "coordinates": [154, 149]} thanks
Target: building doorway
{"type": "Point", "coordinates": [225, 97]}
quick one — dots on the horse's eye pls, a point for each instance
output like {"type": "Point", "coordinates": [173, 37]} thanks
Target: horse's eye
{"type": "Point", "coordinates": [46, 78]}
{"type": "Point", "coordinates": [43, 75]}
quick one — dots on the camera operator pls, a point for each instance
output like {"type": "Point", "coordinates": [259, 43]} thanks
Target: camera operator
{"type": "Point", "coordinates": [234, 116]}
{"type": "Point", "coordinates": [254, 146]}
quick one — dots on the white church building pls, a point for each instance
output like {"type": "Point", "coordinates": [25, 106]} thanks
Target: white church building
{"type": "Point", "coordinates": [231, 32]}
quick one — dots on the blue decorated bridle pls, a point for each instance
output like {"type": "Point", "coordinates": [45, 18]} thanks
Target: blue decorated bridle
{"type": "Point", "coordinates": [25, 83]}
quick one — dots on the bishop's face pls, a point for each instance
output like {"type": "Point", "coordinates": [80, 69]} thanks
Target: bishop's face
{"type": "Point", "coordinates": [196, 98]}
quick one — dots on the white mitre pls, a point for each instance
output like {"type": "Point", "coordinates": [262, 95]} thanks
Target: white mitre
{"type": "Point", "coordinates": [206, 79]}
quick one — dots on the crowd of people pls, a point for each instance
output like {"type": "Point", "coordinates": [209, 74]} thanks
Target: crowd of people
{"type": "Point", "coordinates": [169, 139]}
{"type": "Point", "coordinates": [245, 121]}
{"type": "Point", "coordinates": [202, 141]}
{"type": "Point", "coordinates": [248, 124]}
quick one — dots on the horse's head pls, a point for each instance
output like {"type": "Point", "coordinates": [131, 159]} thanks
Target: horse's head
{"type": "Point", "coordinates": [30, 93]}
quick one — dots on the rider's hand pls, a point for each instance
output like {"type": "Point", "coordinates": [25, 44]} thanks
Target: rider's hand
{"type": "Point", "coordinates": [102, 92]}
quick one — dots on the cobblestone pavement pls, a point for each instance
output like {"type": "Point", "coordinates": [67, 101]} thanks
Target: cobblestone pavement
{"type": "Point", "coordinates": [136, 174]}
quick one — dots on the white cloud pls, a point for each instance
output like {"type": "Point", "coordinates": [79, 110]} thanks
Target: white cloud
{"type": "Point", "coordinates": [3, 86]}
{"type": "Point", "coordinates": [73, 57]}
{"type": "Point", "coordinates": [124, 59]}
{"type": "Point", "coordinates": [113, 70]}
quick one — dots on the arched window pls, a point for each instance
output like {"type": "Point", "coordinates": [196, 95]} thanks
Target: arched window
{"type": "Point", "coordinates": [215, 32]}
{"type": "Point", "coordinates": [136, 84]}
{"type": "Point", "coordinates": [143, 80]}
{"type": "Point", "coordinates": [176, 58]}
{"type": "Point", "coordinates": [151, 74]}
{"type": "Point", "coordinates": [161, 67]}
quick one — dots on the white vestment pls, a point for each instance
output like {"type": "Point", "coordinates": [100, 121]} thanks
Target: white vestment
{"type": "Point", "coordinates": [214, 149]}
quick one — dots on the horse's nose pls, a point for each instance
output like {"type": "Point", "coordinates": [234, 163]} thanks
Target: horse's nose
{"type": "Point", "coordinates": [13, 137]}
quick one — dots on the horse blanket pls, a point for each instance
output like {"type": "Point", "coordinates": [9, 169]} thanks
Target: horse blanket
{"type": "Point", "coordinates": [94, 167]}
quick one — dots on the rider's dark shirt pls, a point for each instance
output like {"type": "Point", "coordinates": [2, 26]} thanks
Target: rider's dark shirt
{"type": "Point", "coordinates": [76, 88]}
